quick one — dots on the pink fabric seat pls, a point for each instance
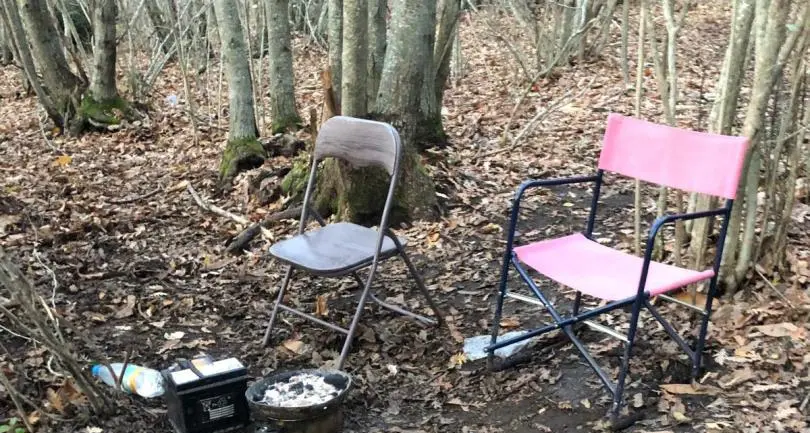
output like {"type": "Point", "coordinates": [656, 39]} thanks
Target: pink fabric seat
{"type": "Point", "coordinates": [600, 271]}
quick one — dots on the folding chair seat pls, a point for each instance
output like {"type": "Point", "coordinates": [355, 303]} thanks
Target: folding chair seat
{"type": "Point", "coordinates": [342, 248]}
{"type": "Point", "coordinates": [333, 249]}
{"type": "Point", "coordinates": [688, 160]}
{"type": "Point", "coordinates": [610, 275]}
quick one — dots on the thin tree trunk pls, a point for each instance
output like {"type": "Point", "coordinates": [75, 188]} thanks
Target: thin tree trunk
{"type": "Point", "coordinates": [355, 58]}
{"type": "Point", "coordinates": [102, 86]}
{"type": "Point", "coordinates": [162, 29]}
{"type": "Point", "coordinates": [787, 119]}
{"type": "Point", "coordinates": [721, 118]}
{"type": "Point", "coordinates": [642, 29]}
{"type": "Point", "coordinates": [243, 149]}
{"type": "Point", "coordinates": [446, 38]}
{"type": "Point", "coordinates": [770, 28]}
{"type": "Point", "coordinates": [335, 37]}
{"type": "Point", "coordinates": [63, 86]}
{"type": "Point", "coordinates": [794, 161]}
{"type": "Point", "coordinates": [282, 87]}
{"type": "Point", "coordinates": [625, 42]}
{"type": "Point", "coordinates": [376, 54]}
{"type": "Point", "coordinates": [6, 44]}
{"type": "Point", "coordinates": [14, 24]}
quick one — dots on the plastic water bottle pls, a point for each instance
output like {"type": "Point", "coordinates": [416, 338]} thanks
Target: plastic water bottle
{"type": "Point", "coordinates": [137, 380]}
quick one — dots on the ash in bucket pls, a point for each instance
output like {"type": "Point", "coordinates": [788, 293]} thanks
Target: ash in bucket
{"type": "Point", "coordinates": [300, 390]}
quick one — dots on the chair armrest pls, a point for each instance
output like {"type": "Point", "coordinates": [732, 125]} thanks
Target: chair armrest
{"type": "Point", "coordinates": [656, 228]}
{"type": "Point", "coordinates": [535, 183]}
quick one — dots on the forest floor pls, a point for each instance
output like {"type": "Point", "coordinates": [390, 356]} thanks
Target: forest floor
{"type": "Point", "coordinates": [104, 225]}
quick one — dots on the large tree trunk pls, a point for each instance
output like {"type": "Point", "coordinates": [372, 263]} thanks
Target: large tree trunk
{"type": "Point", "coordinates": [335, 36]}
{"type": "Point", "coordinates": [103, 105]}
{"type": "Point", "coordinates": [243, 150]}
{"type": "Point", "coordinates": [409, 64]}
{"type": "Point", "coordinates": [63, 87]}
{"type": "Point", "coordinates": [355, 58]}
{"type": "Point", "coordinates": [359, 194]}
{"type": "Point", "coordinates": [282, 90]}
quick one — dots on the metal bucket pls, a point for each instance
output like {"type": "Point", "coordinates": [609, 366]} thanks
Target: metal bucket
{"type": "Point", "coordinates": [326, 417]}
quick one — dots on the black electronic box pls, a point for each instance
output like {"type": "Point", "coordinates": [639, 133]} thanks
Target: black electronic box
{"type": "Point", "coordinates": [203, 396]}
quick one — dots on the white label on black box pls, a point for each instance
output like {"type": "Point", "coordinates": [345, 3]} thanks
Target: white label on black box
{"type": "Point", "coordinates": [218, 407]}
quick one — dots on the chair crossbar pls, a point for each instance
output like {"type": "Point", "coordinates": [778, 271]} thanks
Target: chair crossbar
{"type": "Point", "coordinates": [607, 330]}
{"type": "Point", "coordinates": [402, 311]}
{"type": "Point", "coordinates": [524, 299]}
{"type": "Point", "coordinates": [313, 318]}
{"type": "Point", "coordinates": [683, 304]}
{"type": "Point", "coordinates": [669, 329]}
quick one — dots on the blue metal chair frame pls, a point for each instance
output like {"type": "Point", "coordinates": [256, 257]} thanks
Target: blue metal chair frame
{"type": "Point", "coordinates": [639, 301]}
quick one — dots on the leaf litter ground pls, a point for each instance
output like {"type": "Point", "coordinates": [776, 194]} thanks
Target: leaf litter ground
{"type": "Point", "coordinates": [105, 227]}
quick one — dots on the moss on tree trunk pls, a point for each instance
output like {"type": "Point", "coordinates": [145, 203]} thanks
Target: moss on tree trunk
{"type": "Point", "coordinates": [107, 112]}
{"type": "Point", "coordinates": [240, 154]}
{"type": "Point", "coordinates": [358, 194]}
{"type": "Point", "coordinates": [284, 124]}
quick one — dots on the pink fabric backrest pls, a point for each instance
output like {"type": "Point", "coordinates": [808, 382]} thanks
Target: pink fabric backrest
{"type": "Point", "coordinates": [678, 158]}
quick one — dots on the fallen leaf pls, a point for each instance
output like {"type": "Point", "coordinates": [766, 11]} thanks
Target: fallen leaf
{"type": "Point", "coordinates": [680, 417]}
{"type": "Point", "coordinates": [63, 160]}
{"type": "Point", "coordinates": [784, 329]}
{"type": "Point", "coordinates": [454, 332]}
{"type": "Point", "coordinates": [295, 346]}
{"type": "Point", "coordinates": [738, 377]}
{"type": "Point", "coordinates": [7, 220]}
{"type": "Point", "coordinates": [586, 403]}
{"type": "Point", "coordinates": [685, 389]}
{"type": "Point", "coordinates": [34, 417]}
{"type": "Point", "coordinates": [458, 359]}
{"type": "Point", "coordinates": [174, 335]}
{"type": "Point", "coordinates": [320, 306]}
{"type": "Point", "coordinates": [510, 322]}
{"type": "Point", "coordinates": [128, 309]}
{"type": "Point", "coordinates": [700, 299]}
{"type": "Point", "coordinates": [55, 400]}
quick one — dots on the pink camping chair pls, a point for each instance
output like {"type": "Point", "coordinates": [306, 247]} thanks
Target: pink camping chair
{"type": "Point", "coordinates": [688, 160]}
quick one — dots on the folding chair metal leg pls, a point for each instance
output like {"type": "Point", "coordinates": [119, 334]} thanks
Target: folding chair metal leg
{"type": "Point", "coordinates": [628, 350]}
{"type": "Point", "coordinates": [421, 285]}
{"type": "Point", "coordinates": [496, 322]}
{"type": "Point", "coordinates": [355, 320]}
{"type": "Point", "coordinates": [704, 327]}
{"type": "Point", "coordinates": [284, 284]}
{"type": "Point", "coordinates": [577, 302]}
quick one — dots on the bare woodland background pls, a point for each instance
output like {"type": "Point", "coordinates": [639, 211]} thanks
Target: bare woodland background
{"type": "Point", "coordinates": [115, 111]}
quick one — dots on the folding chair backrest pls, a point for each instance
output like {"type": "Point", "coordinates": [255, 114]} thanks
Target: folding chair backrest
{"type": "Point", "coordinates": [678, 158]}
{"type": "Point", "coordinates": [359, 142]}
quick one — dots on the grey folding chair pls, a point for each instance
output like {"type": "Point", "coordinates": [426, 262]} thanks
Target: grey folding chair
{"type": "Point", "coordinates": [339, 249]}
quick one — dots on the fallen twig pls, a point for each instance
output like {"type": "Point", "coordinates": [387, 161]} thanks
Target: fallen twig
{"type": "Point", "coordinates": [138, 198]}
{"type": "Point", "coordinates": [224, 213]}
{"type": "Point", "coordinates": [242, 239]}
{"type": "Point", "coordinates": [17, 403]}
{"type": "Point", "coordinates": [780, 294]}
